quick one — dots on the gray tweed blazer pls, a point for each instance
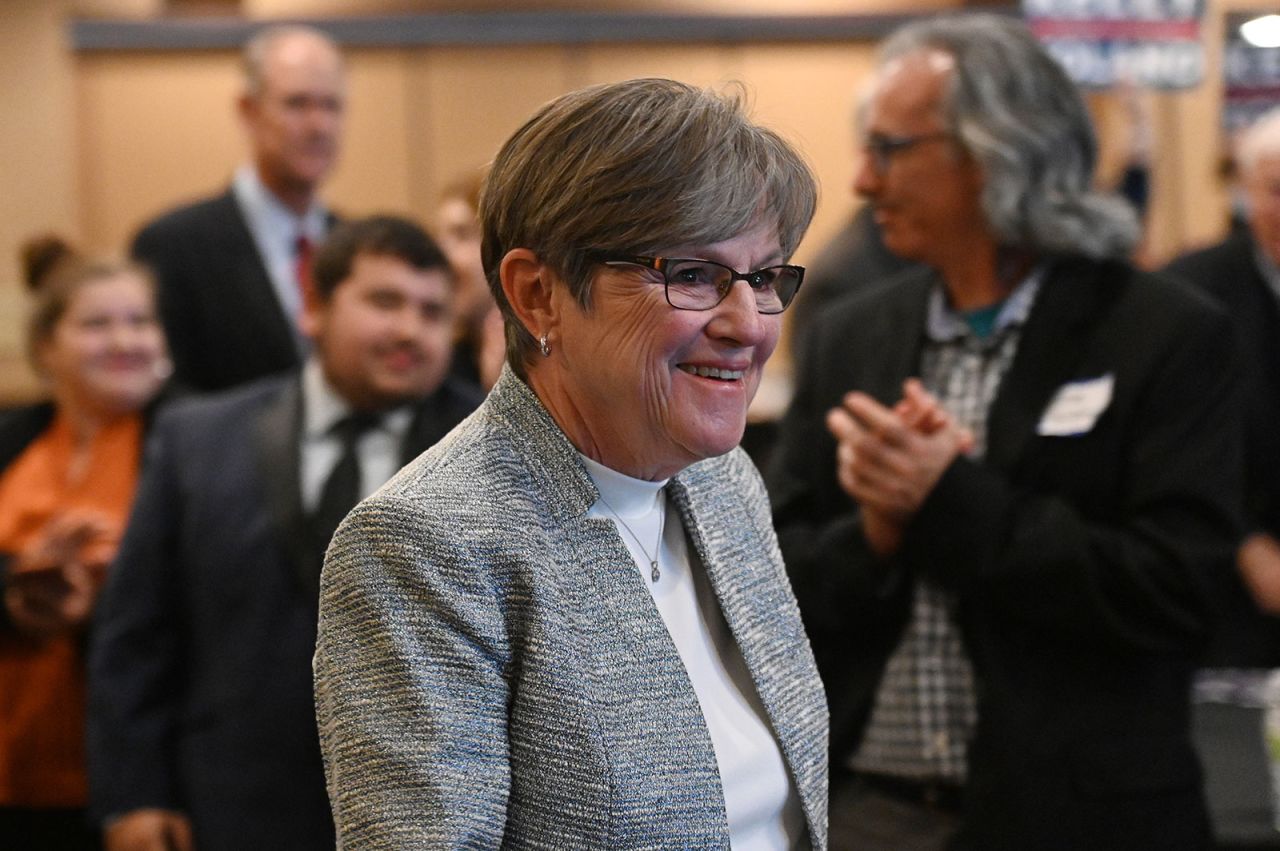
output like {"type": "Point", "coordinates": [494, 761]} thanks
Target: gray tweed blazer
{"type": "Point", "coordinates": [491, 671]}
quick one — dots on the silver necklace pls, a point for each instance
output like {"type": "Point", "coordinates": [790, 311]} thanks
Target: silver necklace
{"type": "Point", "coordinates": [654, 573]}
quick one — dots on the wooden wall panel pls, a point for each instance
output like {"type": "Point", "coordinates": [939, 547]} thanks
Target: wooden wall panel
{"type": "Point", "coordinates": [147, 130]}
{"type": "Point", "coordinates": [1190, 204]}
{"type": "Point", "coordinates": [374, 170]}
{"type": "Point", "coordinates": [465, 102]}
{"type": "Point", "coordinates": [160, 129]}
{"type": "Point", "coordinates": [155, 130]}
{"type": "Point", "coordinates": [697, 64]}
{"type": "Point", "coordinates": [807, 93]}
{"type": "Point", "coordinates": [38, 190]}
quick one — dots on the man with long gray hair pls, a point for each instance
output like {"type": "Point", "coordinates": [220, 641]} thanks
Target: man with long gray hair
{"type": "Point", "coordinates": [1007, 483]}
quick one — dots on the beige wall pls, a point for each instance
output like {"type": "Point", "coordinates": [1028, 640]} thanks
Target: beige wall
{"type": "Point", "coordinates": [160, 128]}
{"type": "Point", "coordinates": [94, 144]}
{"type": "Point", "coordinates": [38, 187]}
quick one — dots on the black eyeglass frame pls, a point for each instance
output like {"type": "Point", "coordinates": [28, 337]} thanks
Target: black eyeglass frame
{"type": "Point", "coordinates": [661, 264]}
{"type": "Point", "coordinates": [881, 148]}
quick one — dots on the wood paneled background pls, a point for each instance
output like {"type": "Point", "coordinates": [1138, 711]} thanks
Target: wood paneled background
{"type": "Point", "coordinates": [94, 142]}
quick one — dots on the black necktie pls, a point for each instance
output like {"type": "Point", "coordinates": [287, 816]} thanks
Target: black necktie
{"type": "Point", "coordinates": [342, 488]}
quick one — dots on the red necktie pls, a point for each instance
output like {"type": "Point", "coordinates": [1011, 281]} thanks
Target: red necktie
{"type": "Point", "coordinates": [303, 250]}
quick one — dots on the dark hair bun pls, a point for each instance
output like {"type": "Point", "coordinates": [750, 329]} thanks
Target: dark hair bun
{"type": "Point", "coordinates": [41, 255]}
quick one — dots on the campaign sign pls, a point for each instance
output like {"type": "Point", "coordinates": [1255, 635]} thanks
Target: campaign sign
{"type": "Point", "coordinates": [1250, 77]}
{"type": "Point", "coordinates": [1152, 43]}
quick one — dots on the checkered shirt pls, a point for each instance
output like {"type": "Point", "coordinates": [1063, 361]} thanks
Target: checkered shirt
{"type": "Point", "coordinates": [925, 709]}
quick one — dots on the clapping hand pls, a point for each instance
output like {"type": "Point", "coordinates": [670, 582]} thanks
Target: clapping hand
{"type": "Point", "coordinates": [890, 459]}
{"type": "Point", "coordinates": [54, 582]}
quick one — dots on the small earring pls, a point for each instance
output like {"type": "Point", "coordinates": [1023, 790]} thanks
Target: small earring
{"type": "Point", "coordinates": [544, 346]}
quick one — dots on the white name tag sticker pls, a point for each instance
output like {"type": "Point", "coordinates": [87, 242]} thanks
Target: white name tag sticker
{"type": "Point", "coordinates": [1076, 407]}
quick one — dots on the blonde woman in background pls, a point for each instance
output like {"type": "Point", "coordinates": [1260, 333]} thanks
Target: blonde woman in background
{"type": "Point", "coordinates": [68, 467]}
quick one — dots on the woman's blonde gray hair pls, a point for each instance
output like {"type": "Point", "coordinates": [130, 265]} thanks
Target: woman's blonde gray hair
{"type": "Point", "coordinates": [634, 168]}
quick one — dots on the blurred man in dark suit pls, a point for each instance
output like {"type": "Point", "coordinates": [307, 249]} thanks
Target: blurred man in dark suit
{"type": "Point", "coordinates": [202, 722]}
{"type": "Point", "coordinates": [1243, 274]}
{"type": "Point", "coordinates": [232, 269]}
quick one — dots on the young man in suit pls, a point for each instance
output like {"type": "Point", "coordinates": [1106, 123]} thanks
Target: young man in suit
{"type": "Point", "coordinates": [232, 268]}
{"type": "Point", "coordinates": [1243, 274]}
{"type": "Point", "coordinates": [1006, 563]}
{"type": "Point", "coordinates": [202, 723]}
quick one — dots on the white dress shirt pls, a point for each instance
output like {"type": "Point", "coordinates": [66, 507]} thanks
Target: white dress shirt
{"type": "Point", "coordinates": [275, 229]}
{"type": "Point", "coordinates": [378, 448]}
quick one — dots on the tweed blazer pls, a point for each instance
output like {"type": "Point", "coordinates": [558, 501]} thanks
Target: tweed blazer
{"type": "Point", "coordinates": [492, 672]}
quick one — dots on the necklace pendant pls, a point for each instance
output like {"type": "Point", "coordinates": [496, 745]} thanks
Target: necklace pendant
{"type": "Point", "coordinates": [655, 574]}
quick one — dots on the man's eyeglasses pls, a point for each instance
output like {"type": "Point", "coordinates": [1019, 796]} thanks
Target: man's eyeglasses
{"type": "Point", "coordinates": [702, 284]}
{"type": "Point", "coordinates": [881, 148]}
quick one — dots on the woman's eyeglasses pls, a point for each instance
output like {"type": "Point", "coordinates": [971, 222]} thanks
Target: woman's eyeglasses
{"type": "Point", "coordinates": [702, 284]}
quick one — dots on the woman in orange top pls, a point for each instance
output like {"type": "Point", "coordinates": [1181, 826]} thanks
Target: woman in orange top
{"type": "Point", "coordinates": [68, 469]}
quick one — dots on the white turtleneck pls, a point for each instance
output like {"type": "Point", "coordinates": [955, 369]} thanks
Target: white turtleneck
{"type": "Point", "coordinates": [760, 800]}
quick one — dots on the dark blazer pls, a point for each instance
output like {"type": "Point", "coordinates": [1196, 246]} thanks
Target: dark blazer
{"type": "Point", "coordinates": [200, 668]}
{"type": "Point", "coordinates": [1085, 567]}
{"type": "Point", "coordinates": [18, 428]}
{"type": "Point", "coordinates": [1228, 272]}
{"type": "Point", "coordinates": [223, 320]}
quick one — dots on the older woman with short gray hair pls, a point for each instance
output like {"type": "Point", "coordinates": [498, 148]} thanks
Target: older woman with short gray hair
{"type": "Point", "coordinates": [568, 624]}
